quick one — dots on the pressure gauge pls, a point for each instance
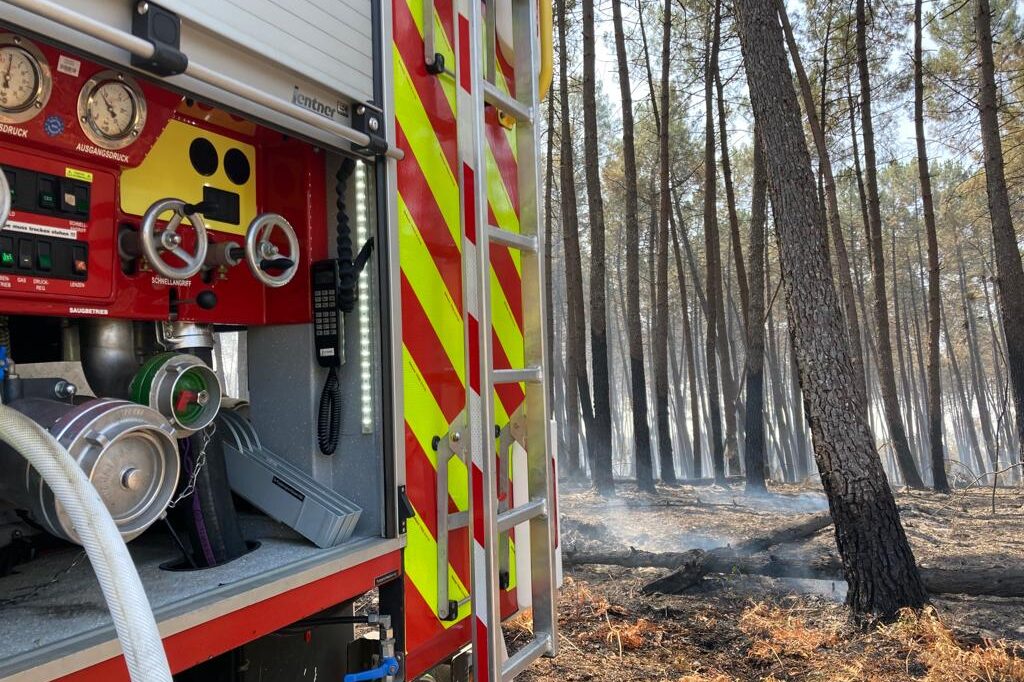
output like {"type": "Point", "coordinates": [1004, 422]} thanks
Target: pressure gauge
{"type": "Point", "coordinates": [112, 110]}
{"type": "Point", "coordinates": [25, 82]}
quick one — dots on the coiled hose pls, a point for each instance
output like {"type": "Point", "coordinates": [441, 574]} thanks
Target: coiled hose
{"type": "Point", "coordinates": [129, 608]}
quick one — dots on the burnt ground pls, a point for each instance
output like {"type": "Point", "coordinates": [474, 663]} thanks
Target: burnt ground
{"type": "Point", "coordinates": [737, 627]}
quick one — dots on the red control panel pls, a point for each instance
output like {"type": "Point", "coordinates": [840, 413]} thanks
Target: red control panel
{"type": "Point", "coordinates": [70, 245]}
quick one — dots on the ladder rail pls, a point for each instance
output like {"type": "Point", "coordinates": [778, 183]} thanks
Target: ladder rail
{"type": "Point", "coordinates": [538, 434]}
{"type": "Point", "coordinates": [490, 519]}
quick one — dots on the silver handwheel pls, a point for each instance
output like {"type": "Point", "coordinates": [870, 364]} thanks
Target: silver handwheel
{"type": "Point", "coordinates": [5, 199]}
{"type": "Point", "coordinates": [262, 255]}
{"type": "Point", "coordinates": [168, 240]}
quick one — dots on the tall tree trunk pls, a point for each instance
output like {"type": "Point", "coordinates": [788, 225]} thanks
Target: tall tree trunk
{"type": "Point", "coordinates": [1010, 273]}
{"type": "Point", "coordinates": [599, 437]}
{"type": "Point", "coordinates": [638, 380]}
{"type": "Point", "coordinates": [831, 201]}
{"type": "Point", "coordinates": [754, 450]}
{"type": "Point", "coordinates": [689, 339]}
{"type": "Point", "coordinates": [977, 371]}
{"type": "Point", "coordinates": [938, 455]}
{"type": "Point", "coordinates": [965, 403]}
{"type": "Point", "coordinates": [659, 343]}
{"type": "Point", "coordinates": [877, 560]}
{"type": "Point", "coordinates": [711, 248]}
{"type": "Point", "coordinates": [730, 199]}
{"type": "Point", "coordinates": [887, 376]}
{"type": "Point", "coordinates": [576, 340]}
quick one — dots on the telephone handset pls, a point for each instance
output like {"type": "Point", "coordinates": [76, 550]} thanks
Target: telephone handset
{"type": "Point", "coordinates": [328, 324]}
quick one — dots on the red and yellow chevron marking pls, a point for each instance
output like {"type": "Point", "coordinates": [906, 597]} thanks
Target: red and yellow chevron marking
{"type": "Point", "coordinates": [433, 372]}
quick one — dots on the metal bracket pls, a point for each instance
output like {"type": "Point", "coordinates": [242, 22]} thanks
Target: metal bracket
{"type": "Point", "coordinates": [162, 29]}
{"type": "Point", "coordinates": [452, 444]}
{"type": "Point", "coordinates": [369, 119]}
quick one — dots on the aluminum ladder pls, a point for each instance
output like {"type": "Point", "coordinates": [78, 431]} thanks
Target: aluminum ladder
{"type": "Point", "coordinates": [490, 520]}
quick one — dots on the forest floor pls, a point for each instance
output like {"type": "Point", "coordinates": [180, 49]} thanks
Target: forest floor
{"type": "Point", "coordinates": [740, 627]}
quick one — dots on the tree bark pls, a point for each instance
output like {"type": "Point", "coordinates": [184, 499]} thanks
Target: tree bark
{"type": "Point", "coordinates": [1009, 271]}
{"type": "Point", "coordinates": [754, 450]}
{"type": "Point", "coordinates": [638, 380]}
{"type": "Point", "coordinates": [877, 560]}
{"type": "Point", "coordinates": [600, 436]}
{"type": "Point", "coordinates": [831, 201]}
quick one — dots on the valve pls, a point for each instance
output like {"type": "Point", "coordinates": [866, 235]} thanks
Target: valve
{"type": "Point", "coordinates": [169, 240]}
{"type": "Point", "coordinates": [5, 198]}
{"type": "Point", "coordinates": [264, 256]}
{"type": "Point", "coordinates": [388, 668]}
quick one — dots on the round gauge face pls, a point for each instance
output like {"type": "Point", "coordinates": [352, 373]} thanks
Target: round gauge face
{"type": "Point", "coordinates": [112, 110]}
{"type": "Point", "coordinates": [25, 82]}
{"type": "Point", "coordinates": [19, 79]}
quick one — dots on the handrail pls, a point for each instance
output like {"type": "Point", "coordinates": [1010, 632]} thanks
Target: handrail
{"type": "Point", "coordinates": [145, 50]}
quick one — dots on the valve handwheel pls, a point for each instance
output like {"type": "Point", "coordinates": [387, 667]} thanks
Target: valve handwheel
{"type": "Point", "coordinates": [5, 199]}
{"type": "Point", "coordinates": [168, 240]}
{"type": "Point", "coordinates": [264, 256]}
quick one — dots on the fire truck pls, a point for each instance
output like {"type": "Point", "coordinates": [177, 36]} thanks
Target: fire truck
{"type": "Point", "coordinates": [272, 350]}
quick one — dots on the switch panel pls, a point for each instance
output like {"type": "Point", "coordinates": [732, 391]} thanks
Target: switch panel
{"type": "Point", "coordinates": [45, 257]}
{"type": "Point", "coordinates": [43, 194]}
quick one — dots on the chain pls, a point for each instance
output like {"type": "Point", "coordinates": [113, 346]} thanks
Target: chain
{"type": "Point", "coordinates": [200, 462]}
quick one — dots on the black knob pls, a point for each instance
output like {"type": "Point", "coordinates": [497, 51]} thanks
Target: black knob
{"type": "Point", "coordinates": [269, 264]}
{"type": "Point", "coordinates": [207, 300]}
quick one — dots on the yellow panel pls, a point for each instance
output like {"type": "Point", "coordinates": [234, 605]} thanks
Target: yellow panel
{"type": "Point", "coordinates": [168, 172]}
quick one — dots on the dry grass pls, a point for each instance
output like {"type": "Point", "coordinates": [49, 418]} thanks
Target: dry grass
{"type": "Point", "coordinates": [779, 632]}
{"type": "Point", "coordinates": [925, 637]}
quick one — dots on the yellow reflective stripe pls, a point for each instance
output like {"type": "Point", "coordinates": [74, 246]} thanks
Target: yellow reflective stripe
{"type": "Point", "coordinates": [421, 568]}
{"type": "Point", "coordinates": [426, 147]}
{"type": "Point", "coordinates": [505, 326]}
{"type": "Point", "coordinates": [421, 270]}
{"type": "Point", "coordinates": [497, 195]}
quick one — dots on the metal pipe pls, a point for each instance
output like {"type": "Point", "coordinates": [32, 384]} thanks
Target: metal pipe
{"type": "Point", "coordinates": [145, 50]}
{"type": "Point", "coordinates": [108, 356]}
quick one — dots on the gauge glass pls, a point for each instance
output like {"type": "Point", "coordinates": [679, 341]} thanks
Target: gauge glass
{"type": "Point", "coordinates": [113, 110]}
{"type": "Point", "coordinates": [19, 79]}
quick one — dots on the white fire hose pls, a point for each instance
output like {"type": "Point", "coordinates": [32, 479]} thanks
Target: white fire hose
{"type": "Point", "coordinates": [108, 554]}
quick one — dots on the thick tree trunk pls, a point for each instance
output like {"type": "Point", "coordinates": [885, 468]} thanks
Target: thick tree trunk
{"type": "Point", "coordinates": [711, 253]}
{"type": "Point", "coordinates": [754, 450]}
{"type": "Point", "coordinates": [877, 560]}
{"type": "Point", "coordinates": [599, 435]}
{"type": "Point", "coordinates": [887, 374]}
{"type": "Point", "coordinates": [638, 380]}
{"type": "Point", "coordinates": [831, 201]}
{"type": "Point", "coordinates": [1010, 273]}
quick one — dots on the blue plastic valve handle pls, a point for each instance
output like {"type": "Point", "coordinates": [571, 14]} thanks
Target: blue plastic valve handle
{"type": "Point", "coordinates": [388, 667]}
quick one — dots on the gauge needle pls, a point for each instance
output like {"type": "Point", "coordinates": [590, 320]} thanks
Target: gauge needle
{"type": "Point", "coordinates": [110, 107]}
{"type": "Point", "coordinates": [7, 73]}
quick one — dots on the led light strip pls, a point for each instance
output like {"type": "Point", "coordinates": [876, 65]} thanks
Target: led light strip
{"type": "Point", "coordinates": [365, 373]}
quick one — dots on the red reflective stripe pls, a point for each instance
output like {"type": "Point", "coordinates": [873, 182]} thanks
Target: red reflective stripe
{"type": "Point", "coordinates": [510, 395]}
{"type": "Point", "coordinates": [429, 355]}
{"type": "Point", "coordinates": [474, 354]}
{"type": "Point", "coordinates": [465, 79]}
{"type": "Point", "coordinates": [430, 222]}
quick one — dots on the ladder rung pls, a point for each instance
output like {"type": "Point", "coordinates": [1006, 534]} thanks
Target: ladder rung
{"type": "Point", "coordinates": [458, 520]}
{"type": "Point", "coordinates": [521, 514]}
{"type": "Point", "coordinates": [523, 242]}
{"type": "Point", "coordinates": [521, 659]}
{"type": "Point", "coordinates": [529, 375]}
{"type": "Point", "coordinates": [495, 97]}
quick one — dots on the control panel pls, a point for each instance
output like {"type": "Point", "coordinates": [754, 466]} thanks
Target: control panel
{"type": "Point", "coordinates": [129, 200]}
